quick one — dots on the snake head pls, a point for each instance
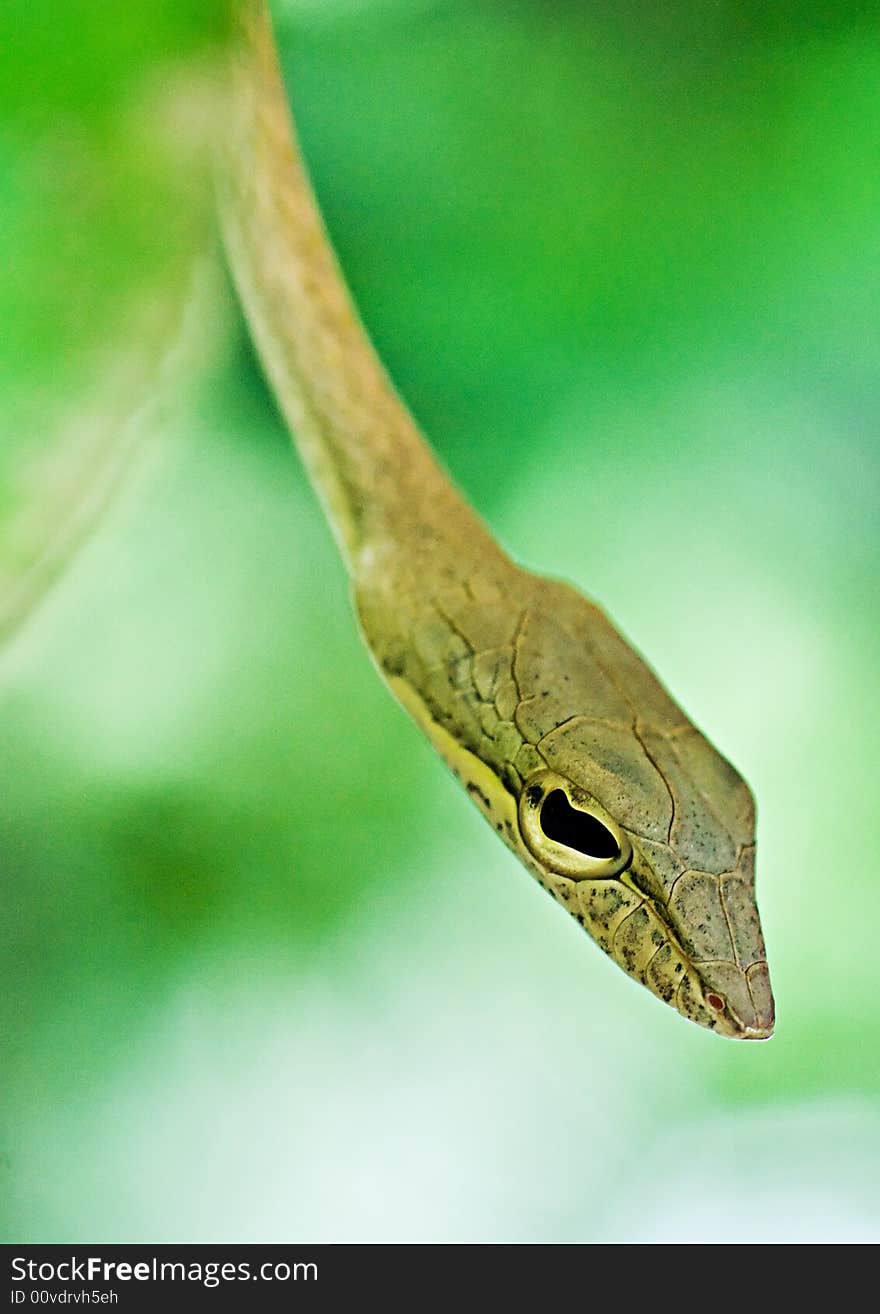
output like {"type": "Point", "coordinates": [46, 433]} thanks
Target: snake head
{"type": "Point", "coordinates": [635, 822]}
{"type": "Point", "coordinates": [590, 772]}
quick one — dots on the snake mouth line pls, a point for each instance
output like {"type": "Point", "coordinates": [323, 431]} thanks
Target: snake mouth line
{"type": "Point", "coordinates": [756, 1033]}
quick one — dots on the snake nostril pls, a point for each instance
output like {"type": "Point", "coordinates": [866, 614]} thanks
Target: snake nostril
{"type": "Point", "coordinates": [716, 1002]}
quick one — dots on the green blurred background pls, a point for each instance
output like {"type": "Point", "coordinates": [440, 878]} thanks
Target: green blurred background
{"type": "Point", "coordinates": [266, 975]}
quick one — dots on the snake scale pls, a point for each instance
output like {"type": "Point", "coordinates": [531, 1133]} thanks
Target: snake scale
{"type": "Point", "coordinates": [565, 740]}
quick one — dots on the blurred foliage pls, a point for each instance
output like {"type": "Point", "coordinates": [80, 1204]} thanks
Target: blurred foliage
{"type": "Point", "coordinates": [96, 198]}
{"type": "Point", "coordinates": [106, 113]}
{"type": "Point", "coordinates": [267, 973]}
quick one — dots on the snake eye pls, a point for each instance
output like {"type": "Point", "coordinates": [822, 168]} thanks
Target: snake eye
{"type": "Point", "coordinates": [568, 831]}
{"type": "Point", "coordinates": [576, 829]}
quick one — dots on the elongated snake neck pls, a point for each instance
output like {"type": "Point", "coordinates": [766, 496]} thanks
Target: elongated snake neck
{"type": "Point", "coordinates": [521, 684]}
{"type": "Point", "coordinates": [378, 480]}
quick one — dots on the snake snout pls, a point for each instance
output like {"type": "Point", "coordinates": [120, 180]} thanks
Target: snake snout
{"type": "Point", "coordinates": [742, 999]}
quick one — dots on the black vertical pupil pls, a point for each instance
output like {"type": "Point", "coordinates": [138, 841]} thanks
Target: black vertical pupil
{"type": "Point", "coordinates": [575, 829]}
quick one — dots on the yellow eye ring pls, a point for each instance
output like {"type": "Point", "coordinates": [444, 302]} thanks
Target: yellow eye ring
{"type": "Point", "coordinates": [568, 831]}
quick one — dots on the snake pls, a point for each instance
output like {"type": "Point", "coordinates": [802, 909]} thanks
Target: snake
{"type": "Point", "coordinates": [554, 725]}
